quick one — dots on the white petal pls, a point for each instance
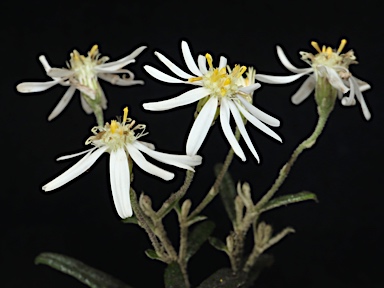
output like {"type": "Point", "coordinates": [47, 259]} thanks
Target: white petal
{"type": "Point", "coordinates": [161, 76]}
{"type": "Point", "coordinates": [173, 67]}
{"type": "Point", "coordinates": [284, 60]}
{"type": "Point", "coordinates": [278, 79]}
{"type": "Point", "coordinates": [243, 132]}
{"type": "Point", "coordinates": [224, 120]}
{"type": "Point", "coordinates": [120, 182]}
{"type": "Point", "coordinates": [257, 123]}
{"type": "Point", "coordinates": [149, 145]}
{"type": "Point", "coordinates": [121, 81]}
{"type": "Point", "coordinates": [45, 63]}
{"type": "Point", "coordinates": [223, 62]}
{"type": "Point", "coordinates": [28, 87]}
{"type": "Point", "coordinates": [85, 105]}
{"type": "Point", "coordinates": [80, 167]}
{"type": "Point", "coordinates": [304, 91]}
{"type": "Point", "coordinates": [181, 161]}
{"type": "Point", "coordinates": [114, 65]}
{"type": "Point", "coordinates": [202, 61]}
{"type": "Point", "coordinates": [259, 114]}
{"type": "Point", "coordinates": [350, 100]}
{"type": "Point", "coordinates": [189, 59]}
{"type": "Point", "coordinates": [60, 73]}
{"type": "Point", "coordinates": [181, 100]}
{"type": "Point", "coordinates": [360, 98]}
{"type": "Point", "coordinates": [140, 160]}
{"type": "Point", "coordinates": [333, 78]}
{"type": "Point", "coordinates": [363, 86]}
{"type": "Point", "coordinates": [74, 155]}
{"type": "Point", "coordinates": [249, 89]}
{"type": "Point", "coordinates": [62, 103]}
{"type": "Point", "coordinates": [201, 126]}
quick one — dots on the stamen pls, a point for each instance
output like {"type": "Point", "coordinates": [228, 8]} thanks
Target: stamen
{"type": "Point", "coordinates": [342, 45]}
{"type": "Point", "coordinates": [316, 46]}
{"type": "Point", "coordinates": [223, 91]}
{"type": "Point", "coordinates": [125, 114]}
{"type": "Point", "coordinates": [209, 59]}
{"type": "Point", "coordinates": [93, 50]}
{"type": "Point", "coordinates": [323, 49]}
{"type": "Point", "coordinates": [329, 51]}
{"type": "Point", "coordinates": [242, 70]}
{"type": "Point", "coordinates": [227, 81]}
{"type": "Point", "coordinates": [193, 79]}
{"type": "Point", "coordinates": [113, 126]}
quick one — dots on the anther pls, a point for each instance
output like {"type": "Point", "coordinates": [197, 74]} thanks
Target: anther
{"type": "Point", "coordinates": [342, 45]}
{"type": "Point", "coordinates": [125, 114]}
{"type": "Point", "coordinates": [209, 59]}
{"type": "Point", "coordinates": [316, 46]}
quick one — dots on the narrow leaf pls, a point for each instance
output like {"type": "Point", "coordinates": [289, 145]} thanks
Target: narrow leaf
{"type": "Point", "coordinates": [89, 276]}
{"type": "Point", "coordinates": [198, 236]}
{"type": "Point", "coordinates": [227, 192]}
{"type": "Point", "coordinates": [152, 254]}
{"type": "Point", "coordinates": [130, 220]}
{"type": "Point", "coordinates": [224, 278]}
{"type": "Point", "coordinates": [173, 278]}
{"type": "Point", "coordinates": [218, 244]}
{"type": "Point", "coordinates": [289, 199]}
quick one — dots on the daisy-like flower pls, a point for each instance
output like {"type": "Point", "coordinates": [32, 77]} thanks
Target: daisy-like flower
{"type": "Point", "coordinates": [82, 74]}
{"type": "Point", "coordinates": [221, 91]}
{"type": "Point", "coordinates": [327, 63]}
{"type": "Point", "coordinates": [120, 140]}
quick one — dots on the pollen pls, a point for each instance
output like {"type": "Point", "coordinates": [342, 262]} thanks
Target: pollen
{"type": "Point", "coordinates": [125, 116]}
{"type": "Point", "coordinates": [94, 51]}
{"type": "Point", "coordinates": [316, 46]}
{"type": "Point", "coordinates": [342, 45]}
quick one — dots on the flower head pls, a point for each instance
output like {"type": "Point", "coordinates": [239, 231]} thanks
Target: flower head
{"type": "Point", "coordinates": [221, 91]}
{"type": "Point", "coordinates": [329, 64]}
{"type": "Point", "coordinates": [82, 73]}
{"type": "Point", "coordinates": [120, 140]}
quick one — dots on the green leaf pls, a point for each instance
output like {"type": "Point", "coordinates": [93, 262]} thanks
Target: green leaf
{"type": "Point", "coordinates": [196, 219]}
{"type": "Point", "coordinates": [130, 220]}
{"type": "Point", "coordinates": [89, 276]}
{"type": "Point", "coordinates": [227, 193]}
{"type": "Point", "coordinates": [198, 236]}
{"type": "Point", "coordinates": [224, 278]}
{"type": "Point", "coordinates": [173, 278]}
{"type": "Point", "coordinates": [218, 244]}
{"type": "Point", "coordinates": [152, 254]}
{"type": "Point", "coordinates": [289, 199]}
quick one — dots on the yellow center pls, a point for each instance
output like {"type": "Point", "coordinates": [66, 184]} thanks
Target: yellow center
{"type": "Point", "coordinates": [328, 50]}
{"type": "Point", "coordinates": [219, 81]}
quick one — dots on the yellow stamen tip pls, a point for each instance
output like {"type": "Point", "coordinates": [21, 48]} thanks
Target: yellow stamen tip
{"type": "Point", "coordinates": [342, 45]}
{"type": "Point", "coordinates": [193, 79]}
{"type": "Point", "coordinates": [113, 126]}
{"type": "Point", "coordinates": [94, 49]}
{"type": "Point", "coordinates": [125, 114]}
{"type": "Point", "coordinates": [209, 59]}
{"type": "Point", "coordinates": [242, 70]}
{"type": "Point", "coordinates": [227, 81]}
{"type": "Point", "coordinates": [316, 46]}
{"type": "Point", "coordinates": [323, 49]}
{"type": "Point", "coordinates": [329, 51]}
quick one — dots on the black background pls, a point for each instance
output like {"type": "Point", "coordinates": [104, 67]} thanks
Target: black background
{"type": "Point", "coordinates": [338, 242]}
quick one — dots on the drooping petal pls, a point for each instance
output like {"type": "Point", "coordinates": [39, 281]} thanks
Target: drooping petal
{"type": "Point", "coordinates": [259, 114]}
{"type": "Point", "coordinates": [360, 98]}
{"type": "Point", "coordinates": [201, 126]}
{"type": "Point", "coordinates": [350, 100]}
{"type": "Point", "coordinates": [278, 79]}
{"type": "Point", "coordinates": [222, 62]}
{"type": "Point", "coordinates": [115, 65]}
{"type": "Point", "coordinates": [121, 81]}
{"type": "Point", "coordinates": [140, 160]}
{"type": "Point", "coordinates": [162, 76]}
{"type": "Point", "coordinates": [149, 145]}
{"type": "Point", "coordinates": [181, 100]}
{"type": "Point", "coordinates": [181, 161]}
{"type": "Point", "coordinates": [284, 60]}
{"type": "Point", "coordinates": [224, 120]}
{"type": "Point", "coordinates": [80, 167]}
{"type": "Point", "coordinates": [62, 103]}
{"type": "Point", "coordinates": [250, 88]}
{"type": "Point", "coordinates": [257, 123]}
{"type": "Point", "coordinates": [363, 86]}
{"type": "Point", "coordinates": [75, 154]}
{"type": "Point", "coordinates": [188, 58]}
{"type": "Point", "coordinates": [29, 87]}
{"type": "Point", "coordinates": [333, 78]}
{"type": "Point", "coordinates": [202, 62]}
{"type": "Point", "coordinates": [239, 122]}
{"type": "Point", "coordinates": [173, 67]}
{"type": "Point", "coordinates": [305, 90]}
{"type": "Point", "coordinates": [45, 63]}
{"type": "Point", "coordinates": [87, 109]}
{"type": "Point", "coordinates": [120, 182]}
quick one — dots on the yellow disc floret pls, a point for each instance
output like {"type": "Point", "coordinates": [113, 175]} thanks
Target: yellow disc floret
{"type": "Point", "coordinates": [117, 134]}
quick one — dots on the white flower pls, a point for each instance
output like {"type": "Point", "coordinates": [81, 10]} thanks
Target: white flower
{"type": "Point", "coordinates": [226, 91]}
{"type": "Point", "coordinates": [328, 63]}
{"type": "Point", "coordinates": [82, 74]}
{"type": "Point", "coordinates": [120, 139]}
